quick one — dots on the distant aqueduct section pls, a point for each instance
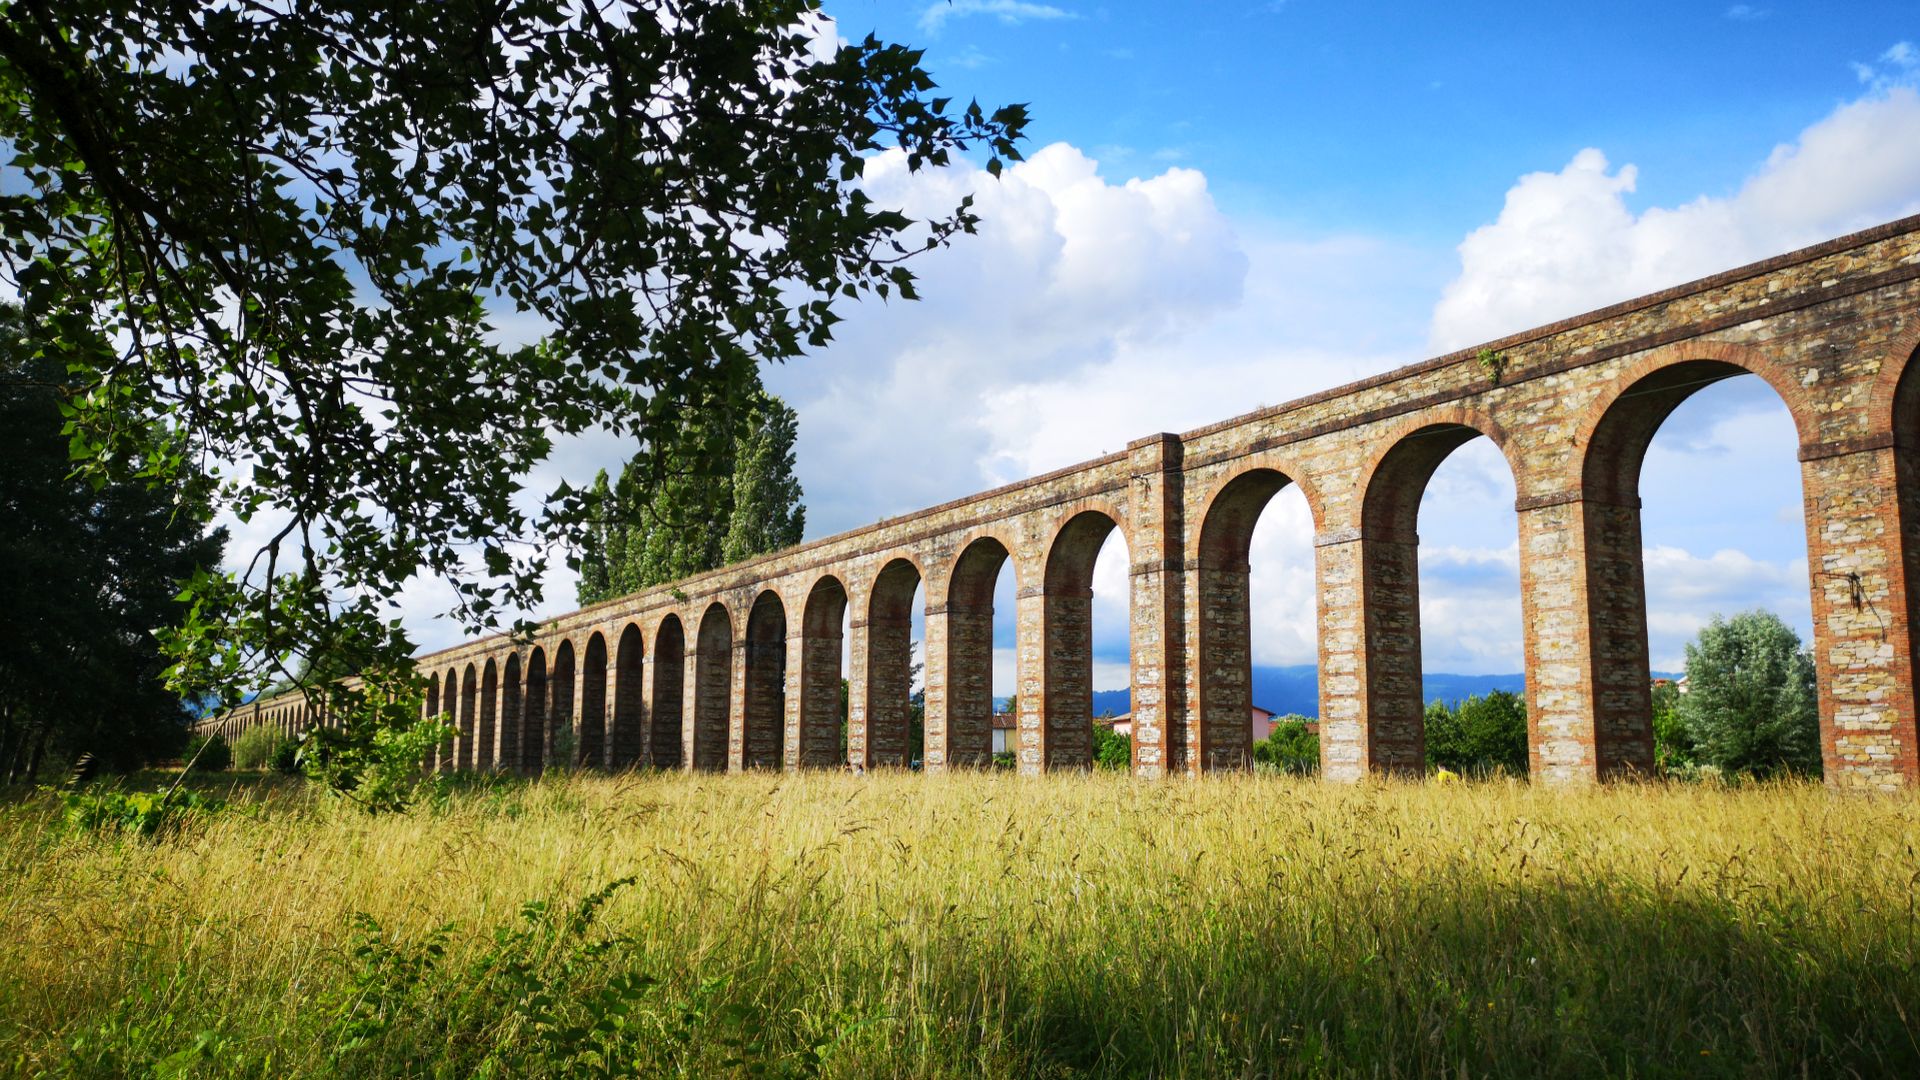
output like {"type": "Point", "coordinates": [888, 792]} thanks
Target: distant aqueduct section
{"type": "Point", "coordinates": [740, 668]}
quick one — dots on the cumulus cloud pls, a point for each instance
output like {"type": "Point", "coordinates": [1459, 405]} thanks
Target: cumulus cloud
{"type": "Point", "coordinates": [1008, 12]}
{"type": "Point", "coordinates": [1566, 242]}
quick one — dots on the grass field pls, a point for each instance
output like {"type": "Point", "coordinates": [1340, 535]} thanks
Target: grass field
{"type": "Point", "coordinates": [901, 925]}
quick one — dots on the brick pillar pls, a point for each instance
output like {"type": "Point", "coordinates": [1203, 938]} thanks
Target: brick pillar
{"type": "Point", "coordinates": [940, 753]}
{"type": "Point", "coordinates": [1861, 509]}
{"type": "Point", "coordinates": [1342, 620]}
{"type": "Point", "coordinates": [489, 743]}
{"type": "Point", "coordinates": [509, 712]}
{"type": "Point", "coordinates": [859, 660]}
{"type": "Point", "coordinates": [1030, 650]}
{"type": "Point", "coordinates": [576, 706]}
{"type": "Point", "coordinates": [1394, 716]}
{"type": "Point", "coordinates": [1566, 660]}
{"type": "Point", "coordinates": [650, 753]}
{"type": "Point", "coordinates": [1156, 599]}
{"type": "Point", "coordinates": [795, 686]}
{"type": "Point", "coordinates": [737, 704]}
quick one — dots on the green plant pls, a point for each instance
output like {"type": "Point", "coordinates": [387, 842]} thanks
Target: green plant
{"type": "Point", "coordinates": [1006, 759]}
{"type": "Point", "coordinates": [257, 747]}
{"type": "Point", "coordinates": [1290, 748]}
{"type": "Point", "coordinates": [1493, 363]}
{"type": "Point", "coordinates": [208, 753]}
{"type": "Point", "coordinates": [1750, 705]}
{"type": "Point", "coordinates": [1111, 750]}
{"type": "Point", "coordinates": [1480, 736]}
{"type": "Point", "coordinates": [135, 813]}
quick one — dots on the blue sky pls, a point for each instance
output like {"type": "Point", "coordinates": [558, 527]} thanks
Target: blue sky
{"type": "Point", "coordinates": [1231, 205]}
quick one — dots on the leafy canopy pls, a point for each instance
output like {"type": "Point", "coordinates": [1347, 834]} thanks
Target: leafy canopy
{"type": "Point", "coordinates": [277, 243]}
{"type": "Point", "coordinates": [1751, 704]}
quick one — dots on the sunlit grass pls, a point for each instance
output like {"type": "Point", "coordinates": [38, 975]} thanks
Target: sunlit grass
{"type": "Point", "coordinates": [925, 925]}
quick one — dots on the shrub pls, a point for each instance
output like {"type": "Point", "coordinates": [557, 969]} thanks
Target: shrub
{"type": "Point", "coordinates": [1480, 736]}
{"type": "Point", "coordinates": [1005, 759]}
{"type": "Point", "coordinates": [215, 757]}
{"type": "Point", "coordinates": [137, 813]}
{"type": "Point", "coordinates": [254, 748]}
{"type": "Point", "coordinates": [1290, 748]}
{"type": "Point", "coordinates": [1111, 750]}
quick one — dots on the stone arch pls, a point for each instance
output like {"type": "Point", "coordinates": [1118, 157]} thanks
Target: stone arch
{"type": "Point", "coordinates": [1614, 435]}
{"type": "Point", "coordinates": [628, 742]}
{"type": "Point", "coordinates": [511, 739]}
{"type": "Point", "coordinates": [592, 751]}
{"type": "Point", "coordinates": [562, 730]}
{"type": "Point", "coordinates": [1389, 663]}
{"type": "Point", "coordinates": [1902, 419]}
{"type": "Point", "coordinates": [1066, 677]}
{"type": "Point", "coordinates": [821, 653]}
{"type": "Point", "coordinates": [764, 706]}
{"type": "Point", "coordinates": [489, 748]}
{"type": "Point", "coordinates": [712, 687]}
{"type": "Point", "coordinates": [469, 756]}
{"type": "Point", "coordinates": [886, 735]}
{"type": "Point", "coordinates": [967, 700]}
{"type": "Point", "coordinates": [533, 725]}
{"type": "Point", "coordinates": [664, 712]}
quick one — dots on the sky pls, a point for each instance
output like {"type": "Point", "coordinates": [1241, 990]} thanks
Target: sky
{"type": "Point", "coordinates": [1230, 205]}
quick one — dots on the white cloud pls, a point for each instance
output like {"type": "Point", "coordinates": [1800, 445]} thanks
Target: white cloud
{"type": "Point", "coordinates": [1568, 242]}
{"type": "Point", "coordinates": [1008, 12]}
{"type": "Point", "coordinates": [1746, 13]}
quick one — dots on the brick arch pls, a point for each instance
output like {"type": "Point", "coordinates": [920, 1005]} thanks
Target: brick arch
{"type": "Point", "coordinates": [1897, 384]}
{"type": "Point", "coordinates": [1398, 467]}
{"type": "Point", "coordinates": [956, 568]}
{"type": "Point", "coordinates": [533, 717]}
{"type": "Point", "coordinates": [590, 749]}
{"type": "Point", "coordinates": [512, 704]}
{"type": "Point", "coordinates": [888, 614]}
{"type": "Point", "coordinates": [626, 740]}
{"type": "Point", "coordinates": [1252, 466]}
{"type": "Point", "coordinates": [1611, 470]}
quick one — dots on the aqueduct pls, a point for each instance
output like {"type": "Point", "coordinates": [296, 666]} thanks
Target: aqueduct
{"type": "Point", "coordinates": [740, 668]}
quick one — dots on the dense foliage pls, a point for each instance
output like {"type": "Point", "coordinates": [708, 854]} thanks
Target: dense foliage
{"type": "Point", "coordinates": [1291, 747]}
{"type": "Point", "coordinates": [667, 518]}
{"type": "Point", "coordinates": [1751, 705]}
{"type": "Point", "coordinates": [86, 573]}
{"type": "Point", "coordinates": [1111, 749]}
{"type": "Point", "coordinates": [1480, 736]}
{"type": "Point", "coordinates": [362, 263]}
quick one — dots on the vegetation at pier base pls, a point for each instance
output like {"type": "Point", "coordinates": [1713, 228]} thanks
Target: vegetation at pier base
{"type": "Point", "coordinates": [902, 924]}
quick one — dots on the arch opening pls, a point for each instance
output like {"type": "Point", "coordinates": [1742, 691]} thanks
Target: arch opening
{"type": "Point", "coordinates": [533, 729]}
{"type": "Point", "coordinates": [489, 750]}
{"type": "Point", "coordinates": [713, 688]}
{"type": "Point", "coordinates": [450, 716]}
{"type": "Point", "coordinates": [822, 659]}
{"type": "Point", "coordinates": [628, 743]}
{"type": "Point", "coordinates": [510, 704]}
{"type": "Point", "coordinates": [1068, 664]}
{"type": "Point", "coordinates": [593, 704]}
{"type": "Point", "coordinates": [664, 730]}
{"type": "Point", "coordinates": [1222, 733]}
{"type": "Point", "coordinates": [889, 706]}
{"type": "Point", "coordinates": [562, 734]}
{"type": "Point", "coordinates": [469, 756]}
{"type": "Point", "coordinates": [763, 733]}
{"type": "Point", "coordinates": [975, 731]}
{"type": "Point", "coordinates": [1690, 479]}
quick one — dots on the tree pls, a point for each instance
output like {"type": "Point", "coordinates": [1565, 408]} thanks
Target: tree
{"type": "Point", "coordinates": [646, 529]}
{"type": "Point", "coordinates": [1111, 749]}
{"type": "Point", "coordinates": [1751, 704]}
{"type": "Point", "coordinates": [1672, 745]}
{"type": "Point", "coordinates": [1480, 735]}
{"type": "Point", "coordinates": [275, 244]}
{"type": "Point", "coordinates": [89, 572]}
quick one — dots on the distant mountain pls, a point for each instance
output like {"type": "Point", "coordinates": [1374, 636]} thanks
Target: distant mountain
{"type": "Point", "coordinates": [1296, 689]}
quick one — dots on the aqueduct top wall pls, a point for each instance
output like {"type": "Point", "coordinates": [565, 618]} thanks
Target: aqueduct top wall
{"type": "Point", "coordinates": [740, 667]}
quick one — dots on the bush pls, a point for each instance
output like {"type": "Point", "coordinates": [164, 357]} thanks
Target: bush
{"type": "Point", "coordinates": [1005, 759]}
{"type": "Point", "coordinates": [1290, 748]}
{"type": "Point", "coordinates": [1480, 736]}
{"type": "Point", "coordinates": [216, 757]}
{"type": "Point", "coordinates": [255, 748]}
{"type": "Point", "coordinates": [138, 813]}
{"type": "Point", "coordinates": [1111, 750]}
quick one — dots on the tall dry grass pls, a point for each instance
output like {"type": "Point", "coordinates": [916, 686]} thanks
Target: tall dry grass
{"type": "Point", "coordinates": [980, 924]}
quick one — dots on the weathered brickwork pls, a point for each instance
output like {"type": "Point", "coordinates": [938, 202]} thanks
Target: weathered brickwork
{"type": "Point", "coordinates": [740, 668]}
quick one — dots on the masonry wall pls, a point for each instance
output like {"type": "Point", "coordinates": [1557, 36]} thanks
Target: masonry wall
{"type": "Point", "coordinates": [1830, 328]}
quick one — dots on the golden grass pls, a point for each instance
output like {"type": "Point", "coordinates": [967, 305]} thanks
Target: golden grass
{"type": "Point", "coordinates": [982, 924]}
